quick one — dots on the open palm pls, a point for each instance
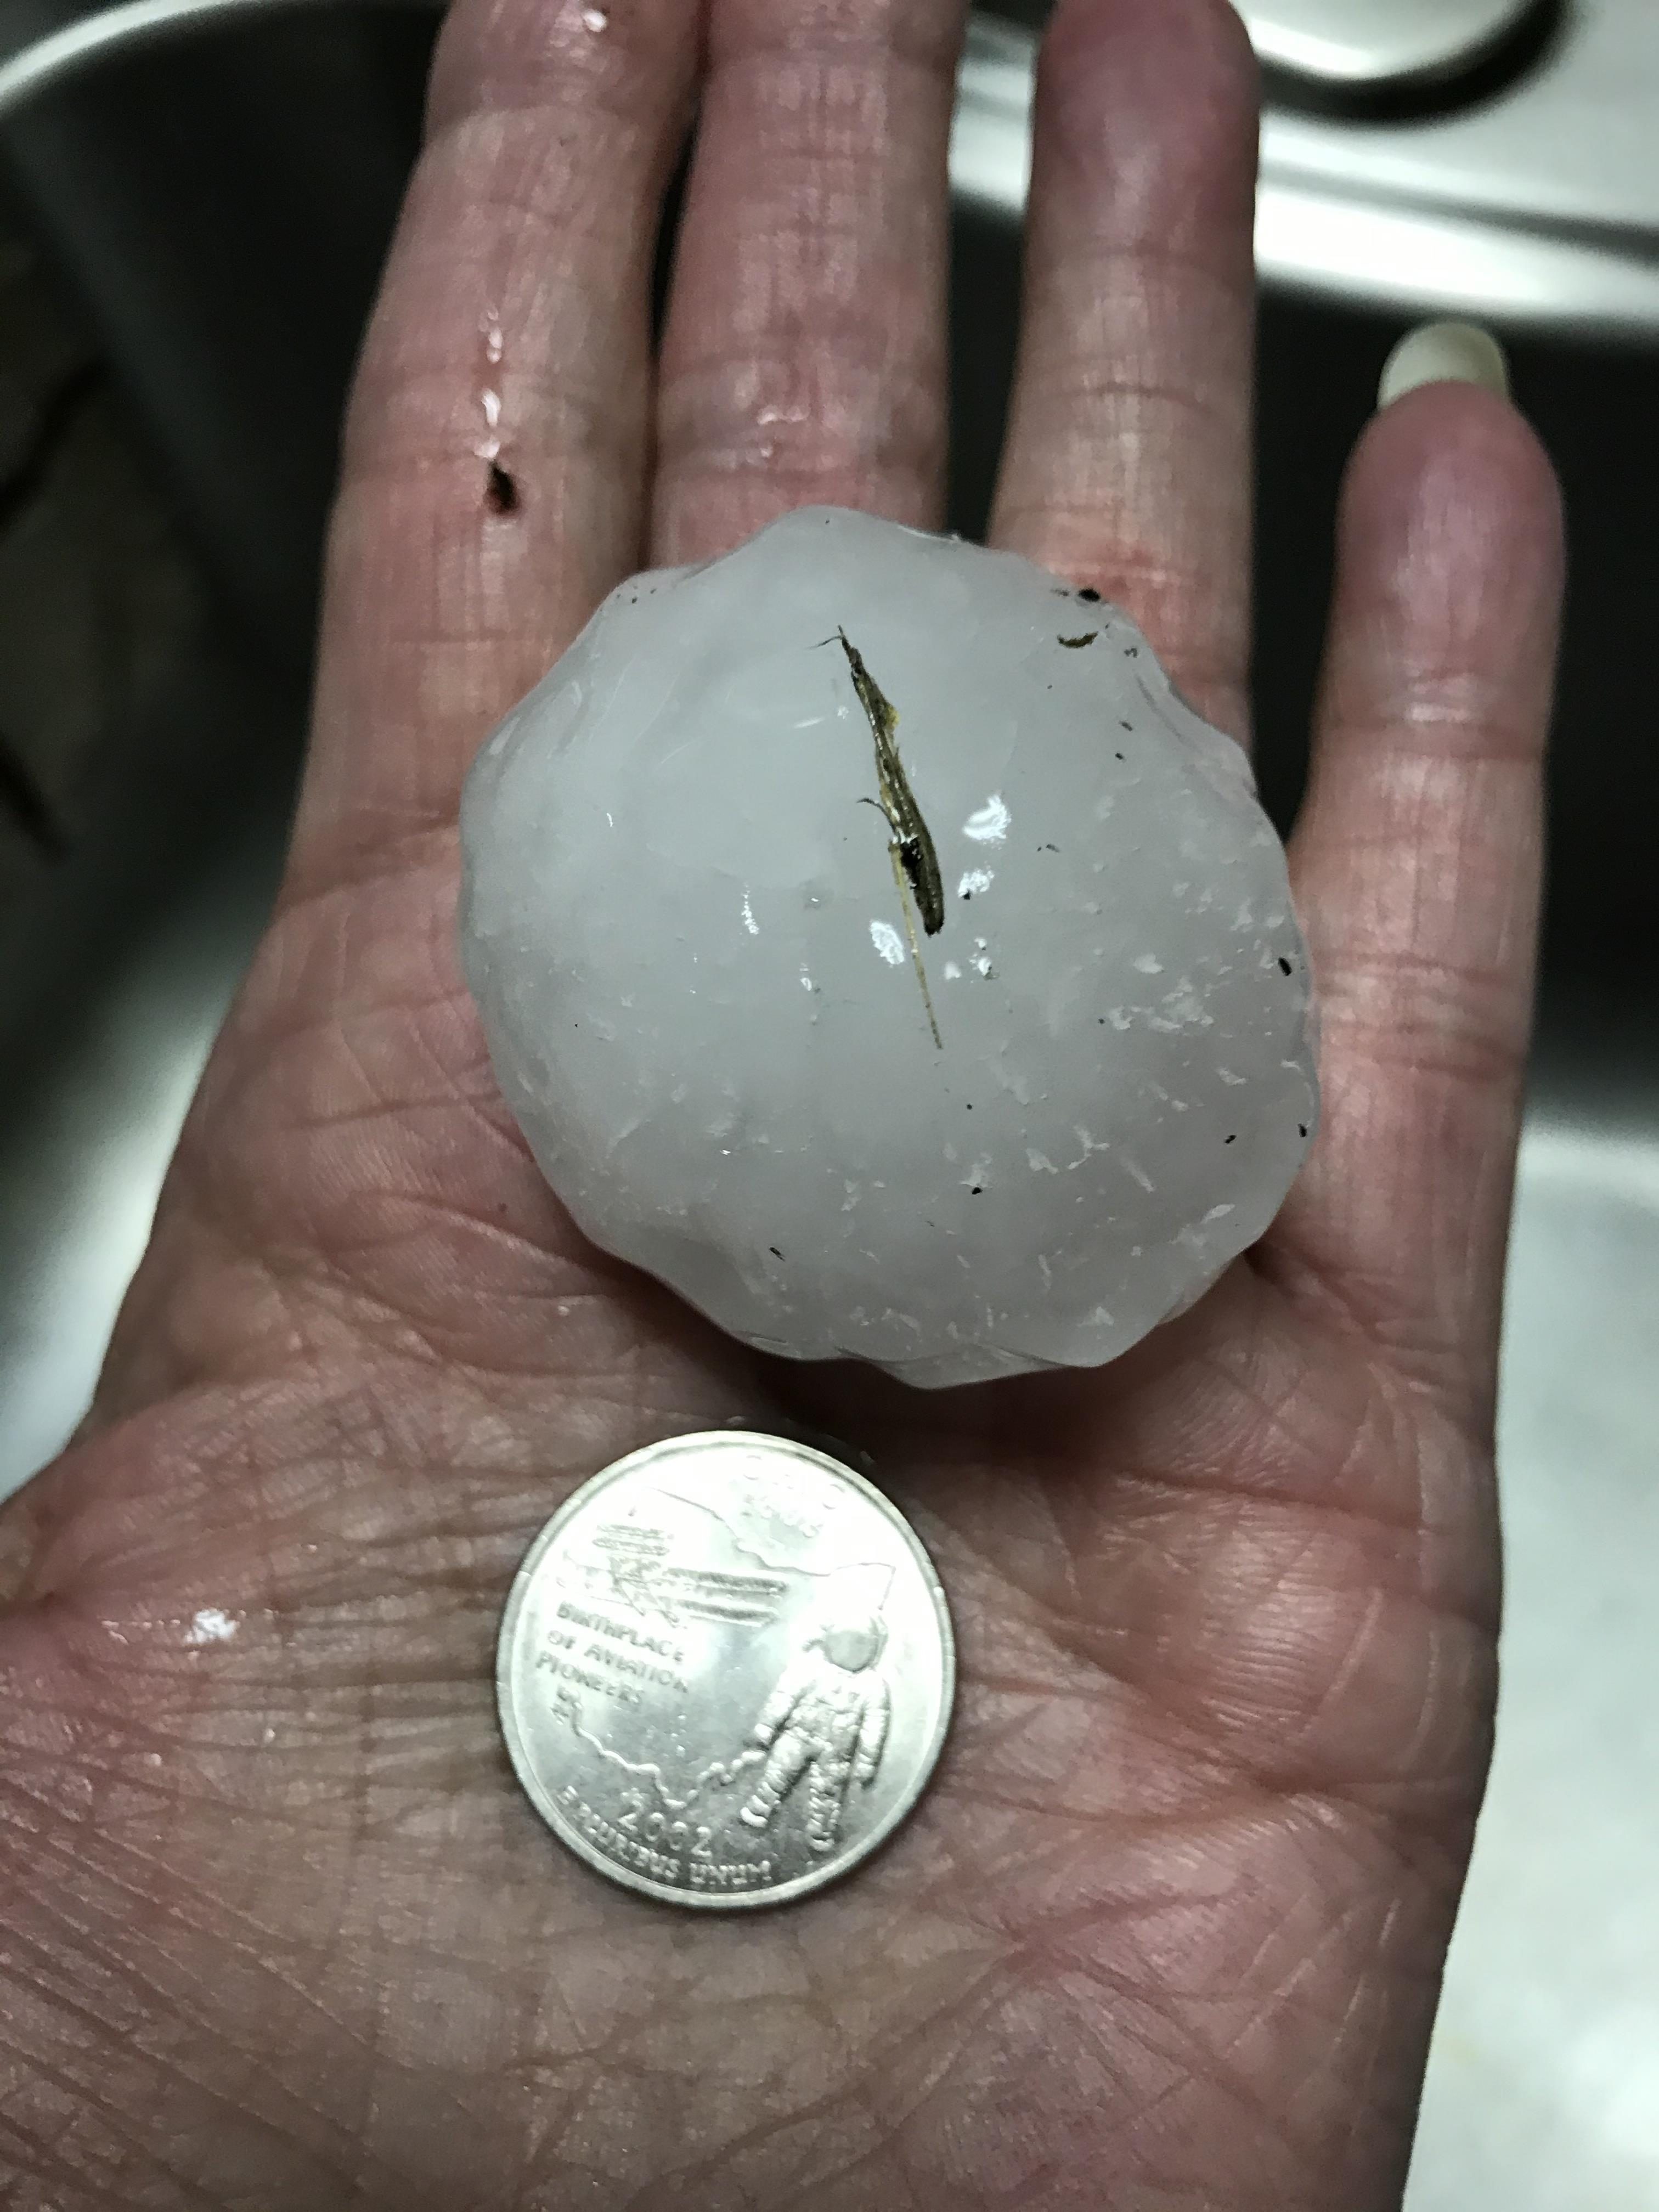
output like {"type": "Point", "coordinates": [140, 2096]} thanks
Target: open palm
{"type": "Point", "coordinates": [277, 1929]}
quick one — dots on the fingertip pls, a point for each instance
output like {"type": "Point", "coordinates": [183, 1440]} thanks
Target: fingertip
{"type": "Point", "coordinates": [1208, 33]}
{"type": "Point", "coordinates": [1452, 521]}
{"type": "Point", "coordinates": [1166, 93]}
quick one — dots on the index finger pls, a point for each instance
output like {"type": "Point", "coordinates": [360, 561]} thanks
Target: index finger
{"type": "Point", "coordinates": [494, 479]}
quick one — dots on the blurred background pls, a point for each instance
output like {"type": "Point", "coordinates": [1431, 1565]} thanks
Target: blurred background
{"type": "Point", "coordinates": [188, 237]}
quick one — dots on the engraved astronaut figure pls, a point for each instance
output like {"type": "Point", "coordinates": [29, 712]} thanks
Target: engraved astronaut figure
{"type": "Point", "coordinates": [826, 1722]}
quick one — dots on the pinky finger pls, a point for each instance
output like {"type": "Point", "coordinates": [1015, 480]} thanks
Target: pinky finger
{"type": "Point", "coordinates": [1418, 868]}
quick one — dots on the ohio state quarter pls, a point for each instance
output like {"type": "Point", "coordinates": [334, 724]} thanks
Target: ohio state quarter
{"type": "Point", "coordinates": [726, 1670]}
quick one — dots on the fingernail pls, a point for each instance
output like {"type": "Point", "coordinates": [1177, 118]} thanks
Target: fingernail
{"type": "Point", "coordinates": [1444, 353]}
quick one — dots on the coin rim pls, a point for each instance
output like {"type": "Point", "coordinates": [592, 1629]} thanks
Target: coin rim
{"type": "Point", "coordinates": [505, 1705]}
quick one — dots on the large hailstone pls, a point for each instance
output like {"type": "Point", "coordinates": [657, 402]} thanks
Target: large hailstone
{"type": "Point", "coordinates": [982, 1050]}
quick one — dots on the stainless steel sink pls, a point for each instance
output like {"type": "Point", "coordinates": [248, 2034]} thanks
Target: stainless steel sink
{"type": "Point", "coordinates": [1491, 195]}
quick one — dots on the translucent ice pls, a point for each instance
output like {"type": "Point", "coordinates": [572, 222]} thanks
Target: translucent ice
{"type": "Point", "coordinates": [711, 973]}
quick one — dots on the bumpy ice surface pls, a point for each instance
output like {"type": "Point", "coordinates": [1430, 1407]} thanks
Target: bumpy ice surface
{"type": "Point", "coordinates": [681, 922]}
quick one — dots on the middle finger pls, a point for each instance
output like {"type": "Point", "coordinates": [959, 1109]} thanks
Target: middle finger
{"type": "Point", "coordinates": [804, 356]}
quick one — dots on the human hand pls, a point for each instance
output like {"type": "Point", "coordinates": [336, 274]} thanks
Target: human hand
{"type": "Point", "coordinates": [278, 1928]}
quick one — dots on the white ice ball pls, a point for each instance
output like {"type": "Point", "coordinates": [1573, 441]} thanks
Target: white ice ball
{"type": "Point", "coordinates": [701, 963]}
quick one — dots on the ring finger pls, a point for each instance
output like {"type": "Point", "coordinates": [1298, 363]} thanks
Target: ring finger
{"type": "Point", "coordinates": [1127, 465]}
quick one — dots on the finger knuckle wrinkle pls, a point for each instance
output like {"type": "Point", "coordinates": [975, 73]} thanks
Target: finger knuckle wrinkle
{"type": "Point", "coordinates": [1426, 1018]}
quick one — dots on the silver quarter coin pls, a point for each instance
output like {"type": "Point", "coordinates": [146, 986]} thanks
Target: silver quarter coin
{"type": "Point", "coordinates": [726, 1670]}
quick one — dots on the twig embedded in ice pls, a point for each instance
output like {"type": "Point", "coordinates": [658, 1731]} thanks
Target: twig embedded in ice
{"type": "Point", "coordinates": [915, 860]}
